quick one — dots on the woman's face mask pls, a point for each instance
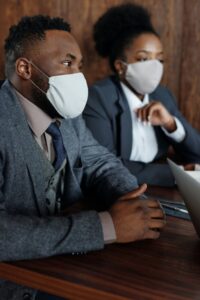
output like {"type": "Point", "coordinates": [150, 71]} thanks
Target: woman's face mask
{"type": "Point", "coordinates": [67, 93]}
{"type": "Point", "coordinates": [145, 76]}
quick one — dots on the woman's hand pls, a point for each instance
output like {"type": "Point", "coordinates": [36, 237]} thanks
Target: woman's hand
{"type": "Point", "coordinates": [157, 115]}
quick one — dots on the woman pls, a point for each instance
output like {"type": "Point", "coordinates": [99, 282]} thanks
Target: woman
{"type": "Point", "coordinates": [129, 112]}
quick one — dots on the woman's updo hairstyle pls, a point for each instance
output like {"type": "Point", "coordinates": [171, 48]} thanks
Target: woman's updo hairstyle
{"type": "Point", "coordinates": [117, 27]}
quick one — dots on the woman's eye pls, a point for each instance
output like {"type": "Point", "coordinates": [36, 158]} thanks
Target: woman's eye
{"type": "Point", "coordinates": [67, 63]}
{"type": "Point", "coordinates": [142, 59]}
{"type": "Point", "coordinates": [162, 61]}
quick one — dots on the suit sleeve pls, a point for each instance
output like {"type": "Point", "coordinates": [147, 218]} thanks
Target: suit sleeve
{"type": "Point", "coordinates": [98, 120]}
{"type": "Point", "coordinates": [28, 236]}
{"type": "Point", "coordinates": [104, 174]}
{"type": "Point", "coordinates": [189, 149]}
{"type": "Point", "coordinates": [151, 173]}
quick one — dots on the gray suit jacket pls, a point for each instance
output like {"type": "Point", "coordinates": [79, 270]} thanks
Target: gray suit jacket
{"type": "Point", "coordinates": [27, 231]}
{"type": "Point", "coordinates": [108, 117]}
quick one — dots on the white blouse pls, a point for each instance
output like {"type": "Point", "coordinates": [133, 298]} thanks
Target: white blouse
{"type": "Point", "coordinates": [144, 143]}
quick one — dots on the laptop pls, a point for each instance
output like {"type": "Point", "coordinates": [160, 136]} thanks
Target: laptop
{"type": "Point", "coordinates": [189, 188]}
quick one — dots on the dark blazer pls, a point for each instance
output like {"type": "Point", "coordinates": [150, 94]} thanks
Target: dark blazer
{"type": "Point", "coordinates": [26, 229]}
{"type": "Point", "coordinates": [107, 115]}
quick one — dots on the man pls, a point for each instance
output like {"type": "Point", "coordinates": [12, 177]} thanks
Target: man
{"type": "Point", "coordinates": [49, 160]}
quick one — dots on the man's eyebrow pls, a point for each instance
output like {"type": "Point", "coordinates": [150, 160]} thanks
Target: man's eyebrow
{"type": "Point", "coordinates": [71, 56]}
{"type": "Point", "coordinates": [146, 51]}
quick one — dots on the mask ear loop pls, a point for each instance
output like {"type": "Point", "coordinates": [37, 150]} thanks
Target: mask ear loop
{"type": "Point", "coordinates": [38, 69]}
{"type": "Point", "coordinates": [124, 63]}
{"type": "Point", "coordinates": [42, 74]}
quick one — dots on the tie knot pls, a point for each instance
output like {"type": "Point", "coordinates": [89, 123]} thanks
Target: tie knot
{"type": "Point", "coordinates": [53, 130]}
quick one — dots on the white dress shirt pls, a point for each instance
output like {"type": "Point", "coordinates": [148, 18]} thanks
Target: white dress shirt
{"type": "Point", "coordinates": [144, 142]}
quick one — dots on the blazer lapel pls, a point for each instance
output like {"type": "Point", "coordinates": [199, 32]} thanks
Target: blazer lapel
{"type": "Point", "coordinates": [125, 123]}
{"type": "Point", "coordinates": [69, 140]}
{"type": "Point", "coordinates": [32, 155]}
{"type": "Point", "coordinates": [73, 169]}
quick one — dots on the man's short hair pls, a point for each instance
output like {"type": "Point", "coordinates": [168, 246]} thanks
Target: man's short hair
{"type": "Point", "coordinates": [25, 33]}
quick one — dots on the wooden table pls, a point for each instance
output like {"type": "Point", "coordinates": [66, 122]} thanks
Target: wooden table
{"type": "Point", "coordinates": [168, 268]}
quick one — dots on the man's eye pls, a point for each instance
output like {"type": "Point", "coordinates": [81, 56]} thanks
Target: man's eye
{"type": "Point", "coordinates": [67, 63]}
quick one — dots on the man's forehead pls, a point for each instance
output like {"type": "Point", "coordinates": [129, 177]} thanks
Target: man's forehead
{"type": "Point", "coordinates": [58, 34]}
{"type": "Point", "coordinates": [58, 41]}
{"type": "Point", "coordinates": [59, 37]}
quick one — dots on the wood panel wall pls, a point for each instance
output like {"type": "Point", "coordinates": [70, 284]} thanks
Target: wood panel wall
{"type": "Point", "coordinates": [177, 22]}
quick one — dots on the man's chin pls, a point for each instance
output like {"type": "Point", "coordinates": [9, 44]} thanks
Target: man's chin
{"type": "Point", "coordinates": [41, 100]}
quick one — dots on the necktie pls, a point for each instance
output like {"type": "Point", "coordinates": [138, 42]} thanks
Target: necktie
{"type": "Point", "coordinates": [60, 153]}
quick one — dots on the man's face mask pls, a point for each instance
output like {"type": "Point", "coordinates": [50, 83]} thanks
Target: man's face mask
{"type": "Point", "coordinates": [67, 93]}
{"type": "Point", "coordinates": [144, 77]}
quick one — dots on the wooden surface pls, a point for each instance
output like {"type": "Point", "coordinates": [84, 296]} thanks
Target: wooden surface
{"type": "Point", "coordinates": [168, 268]}
{"type": "Point", "coordinates": [177, 22]}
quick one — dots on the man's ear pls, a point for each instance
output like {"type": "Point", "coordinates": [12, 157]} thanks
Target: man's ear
{"type": "Point", "coordinates": [23, 68]}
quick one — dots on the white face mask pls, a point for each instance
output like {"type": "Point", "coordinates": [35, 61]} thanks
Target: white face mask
{"type": "Point", "coordinates": [67, 93]}
{"type": "Point", "coordinates": [144, 77]}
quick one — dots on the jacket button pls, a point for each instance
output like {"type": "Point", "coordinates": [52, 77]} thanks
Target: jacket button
{"type": "Point", "coordinates": [27, 296]}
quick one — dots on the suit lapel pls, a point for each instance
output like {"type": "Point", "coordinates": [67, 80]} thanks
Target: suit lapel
{"type": "Point", "coordinates": [72, 145]}
{"type": "Point", "coordinates": [69, 140]}
{"type": "Point", "coordinates": [125, 123]}
{"type": "Point", "coordinates": [32, 155]}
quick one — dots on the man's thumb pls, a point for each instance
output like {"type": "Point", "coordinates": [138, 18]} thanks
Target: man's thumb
{"type": "Point", "coordinates": [135, 193]}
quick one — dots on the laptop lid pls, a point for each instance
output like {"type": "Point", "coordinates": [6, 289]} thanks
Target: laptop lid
{"type": "Point", "coordinates": [189, 188]}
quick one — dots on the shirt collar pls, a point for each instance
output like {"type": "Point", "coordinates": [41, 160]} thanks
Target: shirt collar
{"type": "Point", "coordinates": [37, 119]}
{"type": "Point", "coordinates": [133, 99]}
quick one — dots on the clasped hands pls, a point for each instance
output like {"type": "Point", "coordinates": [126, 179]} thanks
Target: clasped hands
{"type": "Point", "coordinates": [156, 114]}
{"type": "Point", "coordinates": [135, 218]}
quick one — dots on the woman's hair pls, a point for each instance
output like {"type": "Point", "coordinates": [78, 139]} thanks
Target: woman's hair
{"type": "Point", "coordinates": [116, 29]}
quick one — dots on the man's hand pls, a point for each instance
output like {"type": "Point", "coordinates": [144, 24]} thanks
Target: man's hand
{"type": "Point", "coordinates": [157, 115]}
{"type": "Point", "coordinates": [137, 219]}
